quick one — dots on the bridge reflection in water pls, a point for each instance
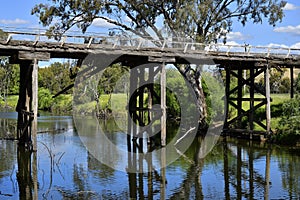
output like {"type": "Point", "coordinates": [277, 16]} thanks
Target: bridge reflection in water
{"type": "Point", "coordinates": [235, 169]}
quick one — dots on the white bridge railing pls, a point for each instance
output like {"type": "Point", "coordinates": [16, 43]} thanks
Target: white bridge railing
{"type": "Point", "coordinates": [96, 40]}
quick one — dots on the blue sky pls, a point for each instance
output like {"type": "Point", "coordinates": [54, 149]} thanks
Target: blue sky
{"type": "Point", "coordinates": [15, 13]}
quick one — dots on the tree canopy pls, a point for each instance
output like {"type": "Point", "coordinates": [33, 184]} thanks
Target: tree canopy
{"type": "Point", "coordinates": [200, 20]}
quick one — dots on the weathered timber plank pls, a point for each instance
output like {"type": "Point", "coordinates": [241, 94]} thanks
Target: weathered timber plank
{"type": "Point", "coordinates": [26, 55]}
{"type": "Point", "coordinates": [161, 59]}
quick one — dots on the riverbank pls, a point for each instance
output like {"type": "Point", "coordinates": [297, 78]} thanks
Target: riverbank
{"type": "Point", "coordinates": [116, 105]}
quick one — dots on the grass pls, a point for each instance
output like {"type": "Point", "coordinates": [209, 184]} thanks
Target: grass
{"type": "Point", "coordinates": [62, 104]}
{"type": "Point", "coordinates": [118, 103]}
{"type": "Point", "coordinates": [11, 102]}
{"type": "Point", "coordinates": [276, 103]}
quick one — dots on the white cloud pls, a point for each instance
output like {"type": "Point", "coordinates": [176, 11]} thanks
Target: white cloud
{"type": "Point", "coordinates": [277, 45]}
{"type": "Point", "coordinates": [234, 36]}
{"type": "Point", "coordinates": [14, 21]}
{"type": "Point", "coordinates": [102, 23]}
{"type": "Point", "coordinates": [296, 46]}
{"type": "Point", "coordinates": [288, 29]}
{"type": "Point", "coordinates": [232, 43]}
{"type": "Point", "coordinates": [290, 6]}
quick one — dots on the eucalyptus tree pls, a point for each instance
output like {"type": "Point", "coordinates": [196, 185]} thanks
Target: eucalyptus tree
{"type": "Point", "coordinates": [202, 21]}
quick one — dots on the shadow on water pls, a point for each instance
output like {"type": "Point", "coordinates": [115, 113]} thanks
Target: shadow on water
{"type": "Point", "coordinates": [63, 169]}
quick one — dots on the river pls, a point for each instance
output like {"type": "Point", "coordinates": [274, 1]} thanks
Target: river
{"type": "Point", "coordinates": [62, 168]}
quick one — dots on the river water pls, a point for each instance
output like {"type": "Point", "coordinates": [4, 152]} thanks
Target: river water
{"type": "Point", "coordinates": [62, 168]}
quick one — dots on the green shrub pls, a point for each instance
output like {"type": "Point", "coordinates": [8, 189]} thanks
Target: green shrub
{"type": "Point", "coordinates": [62, 104]}
{"type": "Point", "coordinates": [45, 99]}
{"type": "Point", "coordinates": [288, 130]}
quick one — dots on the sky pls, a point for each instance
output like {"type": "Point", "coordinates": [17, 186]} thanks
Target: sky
{"type": "Point", "coordinates": [15, 13]}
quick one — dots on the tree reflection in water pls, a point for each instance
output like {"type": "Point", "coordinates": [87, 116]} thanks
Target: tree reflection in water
{"type": "Point", "coordinates": [234, 169]}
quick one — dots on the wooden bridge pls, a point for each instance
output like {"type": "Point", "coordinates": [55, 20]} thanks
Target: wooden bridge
{"type": "Point", "coordinates": [27, 48]}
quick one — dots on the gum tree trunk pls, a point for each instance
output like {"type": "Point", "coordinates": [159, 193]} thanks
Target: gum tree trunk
{"type": "Point", "coordinates": [193, 76]}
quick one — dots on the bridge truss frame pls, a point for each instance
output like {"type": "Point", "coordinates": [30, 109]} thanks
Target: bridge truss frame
{"type": "Point", "coordinates": [230, 57]}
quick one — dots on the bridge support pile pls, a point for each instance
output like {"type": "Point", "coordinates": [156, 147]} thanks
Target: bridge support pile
{"type": "Point", "coordinates": [142, 114]}
{"type": "Point", "coordinates": [27, 106]}
{"type": "Point", "coordinates": [141, 126]}
{"type": "Point", "coordinates": [245, 107]}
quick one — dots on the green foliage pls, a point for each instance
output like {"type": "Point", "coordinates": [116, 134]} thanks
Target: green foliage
{"type": "Point", "coordinates": [214, 93]}
{"type": "Point", "coordinates": [62, 104]}
{"type": "Point", "coordinates": [10, 104]}
{"type": "Point", "coordinates": [45, 99]}
{"type": "Point", "coordinates": [175, 82]}
{"type": "Point", "coordinates": [278, 83]}
{"type": "Point", "coordinates": [111, 77]}
{"type": "Point", "coordinates": [288, 131]}
{"type": "Point", "coordinates": [201, 21]}
{"type": "Point", "coordinates": [173, 106]}
{"type": "Point", "coordinates": [9, 76]}
{"type": "Point", "coordinates": [297, 84]}
{"type": "Point", "coordinates": [285, 85]}
{"type": "Point", "coordinates": [117, 104]}
{"type": "Point", "coordinates": [56, 77]}
{"type": "Point", "coordinates": [53, 79]}
{"type": "Point", "coordinates": [9, 84]}
{"type": "Point", "coordinates": [204, 21]}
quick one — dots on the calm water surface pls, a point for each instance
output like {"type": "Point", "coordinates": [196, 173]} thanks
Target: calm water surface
{"type": "Point", "coordinates": [62, 168]}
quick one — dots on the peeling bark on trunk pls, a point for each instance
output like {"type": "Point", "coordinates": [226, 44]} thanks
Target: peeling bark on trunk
{"type": "Point", "coordinates": [193, 76]}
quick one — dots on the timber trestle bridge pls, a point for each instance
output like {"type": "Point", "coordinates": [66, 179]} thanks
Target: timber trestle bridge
{"type": "Point", "coordinates": [27, 48]}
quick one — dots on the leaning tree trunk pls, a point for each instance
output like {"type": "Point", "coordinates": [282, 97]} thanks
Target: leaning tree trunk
{"type": "Point", "coordinates": [193, 76]}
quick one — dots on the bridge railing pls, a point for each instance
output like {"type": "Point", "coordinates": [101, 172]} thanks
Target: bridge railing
{"type": "Point", "coordinates": [93, 40]}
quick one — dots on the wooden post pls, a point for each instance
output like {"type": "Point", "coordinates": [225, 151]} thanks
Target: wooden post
{"type": "Point", "coordinates": [267, 175]}
{"type": "Point", "coordinates": [35, 176]}
{"type": "Point", "coordinates": [34, 103]}
{"type": "Point", "coordinates": [24, 103]}
{"type": "Point", "coordinates": [240, 96]}
{"type": "Point", "coordinates": [150, 102]}
{"type": "Point", "coordinates": [227, 90]}
{"type": "Point", "coordinates": [163, 103]}
{"type": "Point", "coordinates": [141, 111]}
{"type": "Point", "coordinates": [268, 98]}
{"type": "Point", "coordinates": [239, 173]}
{"type": "Point", "coordinates": [251, 170]}
{"type": "Point", "coordinates": [226, 170]}
{"type": "Point", "coordinates": [150, 176]}
{"type": "Point", "coordinates": [129, 114]}
{"type": "Point", "coordinates": [292, 81]}
{"type": "Point", "coordinates": [24, 177]}
{"type": "Point", "coordinates": [251, 114]}
{"type": "Point", "coordinates": [163, 174]}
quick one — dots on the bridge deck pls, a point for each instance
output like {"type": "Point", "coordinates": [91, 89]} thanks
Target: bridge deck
{"type": "Point", "coordinates": [183, 51]}
{"type": "Point", "coordinates": [23, 48]}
